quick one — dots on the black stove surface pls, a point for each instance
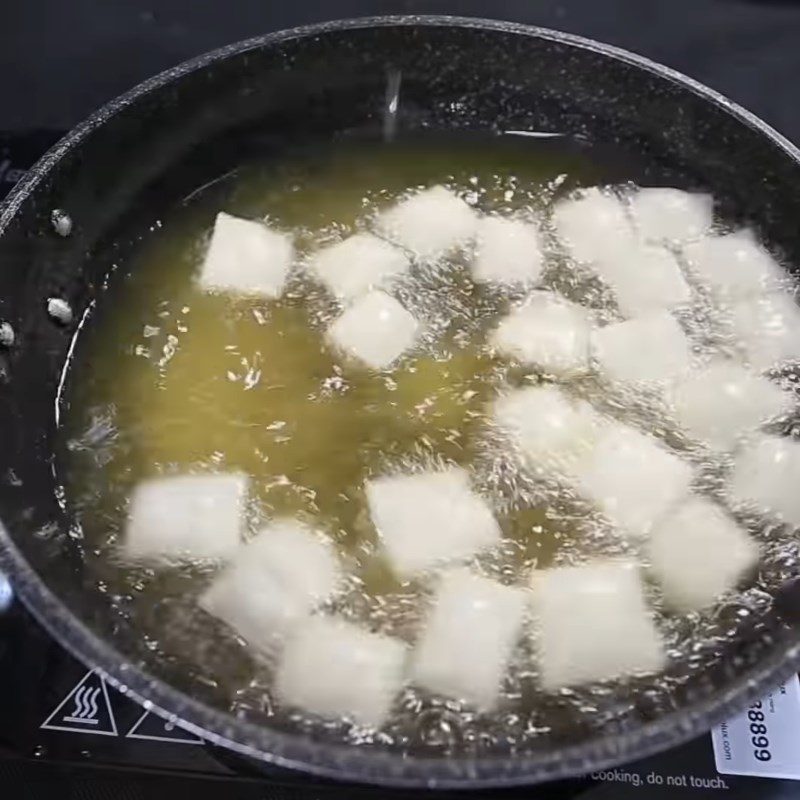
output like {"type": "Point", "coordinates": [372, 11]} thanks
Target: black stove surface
{"type": "Point", "coordinates": [63, 732]}
{"type": "Point", "coordinates": [61, 725]}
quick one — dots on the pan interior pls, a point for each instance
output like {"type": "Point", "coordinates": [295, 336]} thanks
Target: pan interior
{"type": "Point", "coordinates": [166, 379]}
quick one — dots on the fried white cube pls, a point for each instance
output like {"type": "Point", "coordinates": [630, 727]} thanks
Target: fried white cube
{"type": "Point", "coordinates": [245, 257]}
{"type": "Point", "coordinates": [548, 332]}
{"type": "Point", "coordinates": [648, 348]}
{"type": "Point", "coordinates": [633, 479]}
{"type": "Point", "coordinates": [724, 401]}
{"type": "Point", "coordinates": [357, 264]}
{"type": "Point", "coordinates": [766, 476]}
{"type": "Point", "coordinates": [186, 517]}
{"type": "Point", "coordinates": [593, 625]}
{"type": "Point", "coordinates": [474, 615]}
{"type": "Point", "coordinates": [429, 223]}
{"type": "Point", "coordinates": [733, 265]}
{"type": "Point", "coordinates": [273, 583]}
{"type": "Point", "coordinates": [375, 329]}
{"type": "Point", "coordinates": [671, 214]}
{"type": "Point", "coordinates": [767, 328]}
{"type": "Point", "coordinates": [552, 431]}
{"type": "Point", "coordinates": [697, 553]}
{"type": "Point", "coordinates": [333, 668]}
{"type": "Point", "coordinates": [593, 225]}
{"type": "Point", "coordinates": [430, 518]}
{"type": "Point", "coordinates": [644, 278]}
{"type": "Point", "coordinates": [507, 252]}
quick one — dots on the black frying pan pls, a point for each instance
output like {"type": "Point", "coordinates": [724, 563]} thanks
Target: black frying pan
{"type": "Point", "coordinates": [187, 126]}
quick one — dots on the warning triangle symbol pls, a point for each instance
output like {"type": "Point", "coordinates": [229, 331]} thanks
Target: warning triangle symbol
{"type": "Point", "coordinates": [86, 709]}
{"type": "Point", "coordinates": [151, 726]}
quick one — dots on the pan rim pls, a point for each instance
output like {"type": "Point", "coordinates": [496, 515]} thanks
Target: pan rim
{"type": "Point", "coordinates": [339, 761]}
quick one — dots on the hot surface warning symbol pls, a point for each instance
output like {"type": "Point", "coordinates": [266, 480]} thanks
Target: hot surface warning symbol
{"type": "Point", "coordinates": [86, 709]}
{"type": "Point", "coordinates": [151, 726]}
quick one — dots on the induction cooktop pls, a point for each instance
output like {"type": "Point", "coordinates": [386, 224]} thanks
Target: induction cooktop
{"type": "Point", "coordinates": [63, 731]}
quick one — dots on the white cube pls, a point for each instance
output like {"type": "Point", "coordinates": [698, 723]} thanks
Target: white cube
{"type": "Point", "coordinates": [273, 583]}
{"type": "Point", "coordinates": [507, 252]}
{"type": "Point", "coordinates": [429, 519]}
{"type": "Point", "coordinates": [592, 624]}
{"type": "Point", "coordinates": [648, 348]}
{"type": "Point", "coordinates": [593, 225]}
{"type": "Point", "coordinates": [697, 553]}
{"type": "Point", "coordinates": [357, 264]}
{"type": "Point", "coordinates": [724, 401]}
{"type": "Point", "coordinates": [644, 278]}
{"type": "Point", "coordinates": [429, 223]}
{"type": "Point", "coordinates": [247, 258]}
{"type": "Point", "coordinates": [186, 517]}
{"type": "Point", "coordinates": [335, 669]}
{"type": "Point", "coordinates": [548, 332]}
{"type": "Point", "coordinates": [671, 214]}
{"type": "Point", "coordinates": [376, 329]}
{"type": "Point", "coordinates": [734, 265]}
{"type": "Point", "coordinates": [633, 479]}
{"type": "Point", "coordinates": [767, 329]}
{"type": "Point", "coordinates": [468, 639]}
{"type": "Point", "coordinates": [552, 431]}
{"type": "Point", "coordinates": [766, 476]}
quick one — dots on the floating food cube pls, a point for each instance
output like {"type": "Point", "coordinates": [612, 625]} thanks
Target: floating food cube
{"type": "Point", "coordinates": [186, 518]}
{"type": "Point", "coordinates": [553, 431]}
{"type": "Point", "coordinates": [633, 479]}
{"type": "Point", "coordinates": [644, 278]}
{"type": "Point", "coordinates": [648, 348]}
{"type": "Point", "coordinates": [733, 265]}
{"type": "Point", "coordinates": [671, 214]}
{"type": "Point", "coordinates": [357, 264]}
{"type": "Point", "coordinates": [548, 332]}
{"type": "Point", "coordinates": [697, 553]}
{"type": "Point", "coordinates": [592, 624]}
{"type": "Point", "coordinates": [766, 476]}
{"type": "Point", "coordinates": [375, 329]}
{"type": "Point", "coordinates": [335, 669]}
{"type": "Point", "coordinates": [429, 223]}
{"type": "Point", "coordinates": [245, 257]}
{"type": "Point", "coordinates": [767, 329]}
{"type": "Point", "coordinates": [430, 518]}
{"type": "Point", "coordinates": [507, 252]}
{"type": "Point", "coordinates": [273, 583]}
{"type": "Point", "coordinates": [724, 401]}
{"type": "Point", "coordinates": [593, 225]}
{"type": "Point", "coordinates": [468, 638]}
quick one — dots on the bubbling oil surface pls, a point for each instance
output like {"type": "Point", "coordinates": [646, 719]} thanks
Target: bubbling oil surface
{"type": "Point", "coordinates": [168, 379]}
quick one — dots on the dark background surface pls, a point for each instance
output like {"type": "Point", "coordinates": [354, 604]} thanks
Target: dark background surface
{"type": "Point", "coordinates": [61, 58]}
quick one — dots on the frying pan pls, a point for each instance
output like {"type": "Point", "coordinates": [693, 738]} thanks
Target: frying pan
{"type": "Point", "coordinates": [181, 129]}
